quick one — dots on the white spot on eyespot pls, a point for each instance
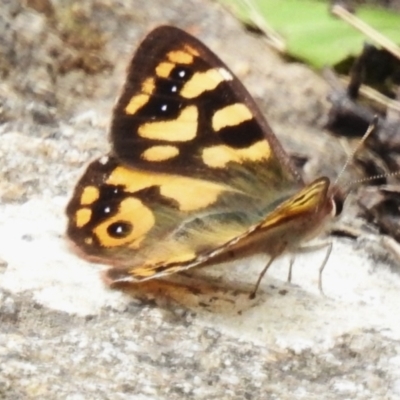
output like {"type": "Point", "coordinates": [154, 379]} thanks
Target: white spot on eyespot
{"type": "Point", "coordinates": [107, 210]}
{"type": "Point", "coordinates": [103, 160]}
{"type": "Point", "coordinates": [164, 107]}
{"type": "Point", "coordinates": [182, 74]}
{"type": "Point", "coordinates": [225, 74]}
{"type": "Point", "coordinates": [174, 89]}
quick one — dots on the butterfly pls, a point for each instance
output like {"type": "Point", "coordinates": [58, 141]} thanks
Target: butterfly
{"type": "Point", "coordinates": [195, 174]}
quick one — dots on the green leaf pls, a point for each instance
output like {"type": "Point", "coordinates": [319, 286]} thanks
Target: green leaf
{"type": "Point", "coordinates": [312, 34]}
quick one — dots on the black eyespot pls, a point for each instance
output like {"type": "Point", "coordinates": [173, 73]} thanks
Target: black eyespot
{"type": "Point", "coordinates": [110, 192]}
{"type": "Point", "coordinates": [106, 210]}
{"type": "Point", "coordinates": [108, 203]}
{"type": "Point", "coordinates": [165, 102]}
{"type": "Point", "coordinates": [168, 87]}
{"type": "Point", "coordinates": [180, 73]}
{"type": "Point", "coordinates": [163, 108]}
{"type": "Point", "coordinates": [120, 229]}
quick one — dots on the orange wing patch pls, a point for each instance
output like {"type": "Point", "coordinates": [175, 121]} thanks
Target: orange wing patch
{"type": "Point", "coordinates": [182, 129]}
{"type": "Point", "coordinates": [202, 82]}
{"type": "Point", "coordinates": [82, 217]}
{"type": "Point", "coordinates": [138, 101]}
{"type": "Point", "coordinates": [231, 115]}
{"type": "Point", "coordinates": [219, 156]}
{"type": "Point", "coordinates": [180, 57]}
{"type": "Point", "coordinates": [160, 153]}
{"type": "Point", "coordinates": [123, 231]}
{"type": "Point", "coordinates": [185, 191]}
{"type": "Point", "coordinates": [89, 195]}
{"type": "Point", "coordinates": [164, 69]}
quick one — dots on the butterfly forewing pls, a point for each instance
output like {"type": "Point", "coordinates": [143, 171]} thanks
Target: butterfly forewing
{"type": "Point", "coordinates": [183, 111]}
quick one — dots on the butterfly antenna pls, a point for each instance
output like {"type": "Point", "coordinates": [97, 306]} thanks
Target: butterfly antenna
{"type": "Point", "coordinates": [375, 177]}
{"type": "Point", "coordinates": [371, 127]}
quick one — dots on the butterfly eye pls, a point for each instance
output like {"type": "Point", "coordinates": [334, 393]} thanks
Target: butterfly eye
{"type": "Point", "coordinates": [120, 229]}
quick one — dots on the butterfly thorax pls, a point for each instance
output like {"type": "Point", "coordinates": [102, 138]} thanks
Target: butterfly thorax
{"type": "Point", "coordinates": [305, 215]}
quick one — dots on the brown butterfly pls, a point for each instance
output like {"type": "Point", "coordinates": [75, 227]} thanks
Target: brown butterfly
{"type": "Point", "coordinates": [195, 172]}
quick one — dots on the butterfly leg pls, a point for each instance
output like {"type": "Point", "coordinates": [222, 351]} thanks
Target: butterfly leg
{"type": "Point", "coordinates": [289, 278]}
{"type": "Point", "coordinates": [261, 276]}
{"type": "Point", "coordinates": [321, 268]}
{"type": "Point", "coordinates": [314, 247]}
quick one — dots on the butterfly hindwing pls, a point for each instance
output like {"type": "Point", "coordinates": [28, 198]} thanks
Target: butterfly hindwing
{"type": "Point", "coordinates": [129, 217]}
